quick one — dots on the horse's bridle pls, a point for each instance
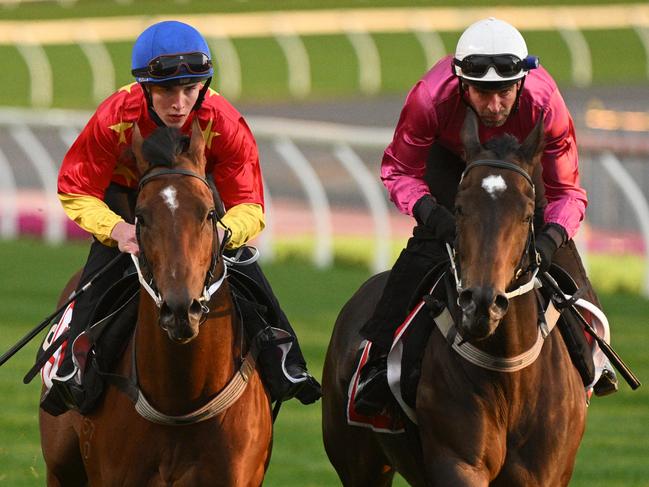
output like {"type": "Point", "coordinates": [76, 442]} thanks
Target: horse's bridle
{"type": "Point", "coordinates": [445, 322]}
{"type": "Point", "coordinates": [210, 285]}
{"type": "Point", "coordinates": [530, 248]}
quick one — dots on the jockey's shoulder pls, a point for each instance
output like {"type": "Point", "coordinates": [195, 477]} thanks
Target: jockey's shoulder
{"type": "Point", "coordinates": [125, 104]}
{"type": "Point", "coordinates": [218, 109]}
{"type": "Point", "coordinates": [540, 86]}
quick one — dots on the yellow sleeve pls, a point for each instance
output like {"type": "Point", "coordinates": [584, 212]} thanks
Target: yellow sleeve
{"type": "Point", "coordinates": [91, 214]}
{"type": "Point", "coordinates": [246, 222]}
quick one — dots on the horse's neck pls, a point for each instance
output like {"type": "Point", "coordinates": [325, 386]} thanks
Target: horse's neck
{"type": "Point", "coordinates": [174, 376]}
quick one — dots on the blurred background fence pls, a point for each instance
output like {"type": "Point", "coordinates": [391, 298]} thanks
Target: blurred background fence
{"type": "Point", "coordinates": [321, 179]}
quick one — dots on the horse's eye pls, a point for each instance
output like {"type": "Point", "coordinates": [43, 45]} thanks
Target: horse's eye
{"type": "Point", "coordinates": [528, 219]}
{"type": "Point", "coordinates": [458, 210]}
{"type": "Point", "coordinates": [211, 215]}
{"type": "Point", "coordinates": [140, 219]}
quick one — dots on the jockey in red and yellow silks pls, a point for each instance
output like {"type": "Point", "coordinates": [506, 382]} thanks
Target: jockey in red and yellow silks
{"type": "Point", "coordinates": [98, 183]}
{"type": "Point", "coordinates": [101, 155]}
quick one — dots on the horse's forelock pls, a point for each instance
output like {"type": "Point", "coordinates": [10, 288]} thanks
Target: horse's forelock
{"type": "Point", "coordinates": [163, 146]}
{"type": "Point", "coordinates": [504, 147]}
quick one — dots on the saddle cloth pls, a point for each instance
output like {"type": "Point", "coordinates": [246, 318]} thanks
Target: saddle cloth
{"type": "Point", "coordinates": [385, 421]}
{"type": "Point", "coordinates": [102, 343]}
{"type": "Point", "coordinates": [51, 367]}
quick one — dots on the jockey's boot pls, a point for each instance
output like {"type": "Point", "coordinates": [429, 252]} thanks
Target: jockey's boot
{"type": "Point", "coordinates": [65, 393]}
{"type": "Point", "coordinates": [606, 384]}
{"type": "Point", "coordinates": [283, 368]}
{"type": "Point", "coordinates": [373, 392]}
{"type": "Point", "coordinates": [308, 390]}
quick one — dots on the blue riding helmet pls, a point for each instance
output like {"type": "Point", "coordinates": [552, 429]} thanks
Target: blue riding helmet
{"type": "Point", "coordinates": [171, 50]}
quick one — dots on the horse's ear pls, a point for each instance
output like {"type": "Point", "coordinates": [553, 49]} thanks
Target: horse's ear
{"type": "Point", "coordinates": [533, 145]}
{"type": "Point", "coordinates": [136, 147]}
{"type": "Point", "coordinates": [470, 136]}
{"type": "Point", "coordinates": [197, 145]}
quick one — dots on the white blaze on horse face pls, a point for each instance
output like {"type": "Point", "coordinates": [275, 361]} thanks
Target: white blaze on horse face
{"type": "Point", "coordinates": [494, 185]}
{"type": "Point", "coordinates": [169, 196]}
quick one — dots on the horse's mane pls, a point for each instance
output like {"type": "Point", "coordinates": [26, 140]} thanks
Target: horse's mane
{"type": "Point", "coordinates": [163, 146]}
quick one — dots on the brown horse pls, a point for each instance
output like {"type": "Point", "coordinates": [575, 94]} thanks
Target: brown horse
{"type": "Point", "coordinates": [186, 351]}
{"type": "Point", "coordinates": [476, 426]}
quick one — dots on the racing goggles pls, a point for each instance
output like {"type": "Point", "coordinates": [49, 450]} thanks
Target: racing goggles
{"type": "Point", "coordinates": [506, 65]}
{"type": "Point", "coordinates": [170, 65]}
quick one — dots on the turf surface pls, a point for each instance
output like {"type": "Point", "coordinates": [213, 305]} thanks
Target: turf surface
{"type": "Point", "coordinates": [613, 453]}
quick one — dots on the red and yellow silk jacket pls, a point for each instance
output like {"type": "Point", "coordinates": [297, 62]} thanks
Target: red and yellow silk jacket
{"type": "Point", "coordinates": [101, 155]}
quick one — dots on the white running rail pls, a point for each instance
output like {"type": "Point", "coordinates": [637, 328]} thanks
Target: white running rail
{"type": "Point", "coordinates": [289, 139]}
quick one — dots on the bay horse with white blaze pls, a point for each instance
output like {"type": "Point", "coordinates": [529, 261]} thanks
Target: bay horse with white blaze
{"type": "Point", "coordinates": [481, 421]}
{"type": "Point", "coordinates": [202, 415]}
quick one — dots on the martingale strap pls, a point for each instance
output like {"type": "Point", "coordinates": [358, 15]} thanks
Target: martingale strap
{"type": "Point", "coordinates": [232, 391]}
{"type": "Point", "coordinates": [446, 325]}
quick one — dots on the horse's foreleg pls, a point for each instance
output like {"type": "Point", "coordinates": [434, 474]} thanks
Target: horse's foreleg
{"type": "Point", "coordinates": [60, 444]}
{"type": "Point", "coordinates": [443, 471]}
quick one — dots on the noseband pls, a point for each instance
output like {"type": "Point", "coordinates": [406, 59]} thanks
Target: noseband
{"type": "Point", "coordinates": [210, 285]}
{"type": "Point", "coordinates": [530, 248]}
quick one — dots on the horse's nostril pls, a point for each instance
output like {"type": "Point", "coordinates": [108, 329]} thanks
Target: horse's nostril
{"type": "Point", "coordinates": [501, 302]}
{"type": "Point", "coordinates": [166, 315]}
{"type": "Point", "coordinates": [465, 298]}
{"type": "Point", "coordinates": [196, 308]}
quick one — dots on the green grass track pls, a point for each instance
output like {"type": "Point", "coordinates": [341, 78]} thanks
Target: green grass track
{"type": "Point", "coordinates": [613, 454]}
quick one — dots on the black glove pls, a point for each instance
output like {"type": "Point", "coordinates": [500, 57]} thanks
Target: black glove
{"type": "Point", "coordinates": [436, 217]}
{"type": "Point", "coordinates": [552, 237]}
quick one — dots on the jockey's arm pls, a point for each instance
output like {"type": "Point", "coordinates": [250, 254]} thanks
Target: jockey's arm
{"type": "Point", "coordinates": [237, 176]}
{"type": "Point", "coordinates": [93, 215]}
{"type": "Point", "coordinates": [404, 161]}
{"type": "Point", "coordinates": [86, 172]}
{"type": "Point", "coordinates": [245, 221]}
{"type": "Point", "coordinates": [566, 198]}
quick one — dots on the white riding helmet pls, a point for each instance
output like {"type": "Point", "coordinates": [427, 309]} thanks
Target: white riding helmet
{"type": "Point", "coordinates": [492, 51]}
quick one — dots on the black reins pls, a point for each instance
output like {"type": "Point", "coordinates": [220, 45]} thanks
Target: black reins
{"type": "Point", "coordinates": [215, 217]}
{"type": "Point", "coordinates": [530, 247]}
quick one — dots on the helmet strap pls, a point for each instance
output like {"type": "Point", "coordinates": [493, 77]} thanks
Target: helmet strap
{"type": "Point", "coordinates": [519, 90]}
{"type": "Point", "coordinates": [201, 95]}
{"type": "Point", "coordinates": [149, 101]}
